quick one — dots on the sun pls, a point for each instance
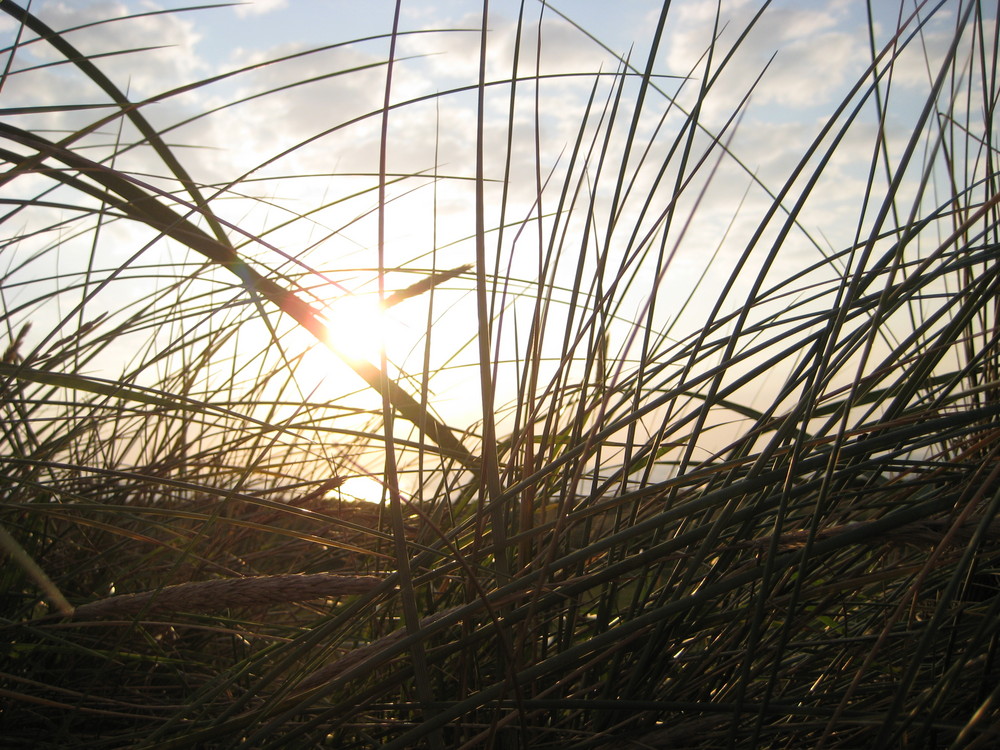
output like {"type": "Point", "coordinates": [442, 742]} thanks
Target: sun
{"type": "Point", "coordinates": [363, 488]}
{"type": "Point", "coordinates": [361, 333]}
{"type": "Point", "coordinates": [365, 333]}
{"type": "Point", "coordinates": [357, 326]}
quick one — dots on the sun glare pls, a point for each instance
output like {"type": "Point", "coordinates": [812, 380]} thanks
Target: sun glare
{"type": "Point", "coordinates": [364, 488]}
{"type": "Point", "coordinates": [357, 326]}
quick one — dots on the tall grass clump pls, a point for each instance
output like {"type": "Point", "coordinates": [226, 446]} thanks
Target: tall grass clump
{"type": "Point", "coordinates": [681, 429]}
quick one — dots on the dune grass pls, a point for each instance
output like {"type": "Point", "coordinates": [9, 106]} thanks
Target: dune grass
{"type": "Point", "coordinates": [749, 504]}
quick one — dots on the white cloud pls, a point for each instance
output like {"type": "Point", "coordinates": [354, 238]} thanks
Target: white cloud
{"type": "Point", "coordinates": [816, 55]}
{"type": "Point", "coordinates": [260, 7]}
{"type": "Point", "coordinates": [172, 38]}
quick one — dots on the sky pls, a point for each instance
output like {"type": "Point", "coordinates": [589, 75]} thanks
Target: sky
{"type": "Point", "coordinates": [290, 149]}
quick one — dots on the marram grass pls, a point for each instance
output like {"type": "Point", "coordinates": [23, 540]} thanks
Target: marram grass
{"type": "Point", "coordinates": [752, 504]}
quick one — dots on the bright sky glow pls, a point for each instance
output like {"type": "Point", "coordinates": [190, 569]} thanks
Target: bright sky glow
{"type": "Point", "coordinates": [289, 154]}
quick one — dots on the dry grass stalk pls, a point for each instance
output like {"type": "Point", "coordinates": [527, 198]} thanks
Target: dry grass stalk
{"type": "Point", "coordinates": [207, 596]}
